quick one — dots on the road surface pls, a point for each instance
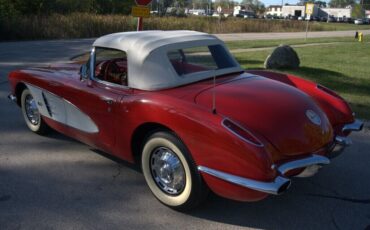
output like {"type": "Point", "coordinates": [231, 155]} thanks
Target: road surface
{"type": "Point", "coordinates": [54, 182]}
{"type": "Point", "coordinates": [289, 35]}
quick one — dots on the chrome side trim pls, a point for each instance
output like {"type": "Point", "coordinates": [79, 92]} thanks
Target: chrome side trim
{"type": "Point", "coordinates": [279, 185]}
{"type": "Point", "coordinates": [345, 141]}
{"type": "Point", "coordinates": [12, 98]}
{"type": "Point", "coordinates": [357, 125]}
{"type": "Point", "coordinates": [61, 110]}
{"type": "Point", "coordinates": [302, 163]}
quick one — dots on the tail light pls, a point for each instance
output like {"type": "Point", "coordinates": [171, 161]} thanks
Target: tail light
{"type": "Point", "coordinates": [241, 132]}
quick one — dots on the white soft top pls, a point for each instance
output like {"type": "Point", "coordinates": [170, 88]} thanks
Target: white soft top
{"type": "Point", "coordinates": [149, 68]}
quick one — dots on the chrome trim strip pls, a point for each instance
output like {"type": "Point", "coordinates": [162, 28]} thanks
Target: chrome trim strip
{"type": "Point", "coordinates": [12, 98]}
{"type": "Point", "coordinates": [357, 125]}
{"type": "Point", "coordinates": [246, 130]}
{"type": "Point", "coordinates": [62, 110]}
{"type": "Point", "coordinates": [302, 163]}
{"type": "Point", "coordinates": [345, 141]}
{"type": "Point", "coordinates": [279, 185]}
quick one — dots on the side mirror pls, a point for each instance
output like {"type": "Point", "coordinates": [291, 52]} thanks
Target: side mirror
{"type": "Point", "coordinates": [84, 75]}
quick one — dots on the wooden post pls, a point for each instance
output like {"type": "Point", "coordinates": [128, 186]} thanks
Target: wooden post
{"type": "Point", "coordinates": [139, 24]}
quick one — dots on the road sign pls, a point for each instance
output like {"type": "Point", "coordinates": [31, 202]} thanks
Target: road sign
{"type": "Point", "coordinates": [309, 8]}
{"type": "Point", "coordinates": [219, 9]}
{"type": "Point", "coordinates": [140, 11]}
{"type": "Point", "coordinates": [142, 2]}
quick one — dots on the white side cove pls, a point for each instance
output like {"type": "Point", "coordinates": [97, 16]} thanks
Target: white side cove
{"type": "Point", "coordinates": [61, 110]}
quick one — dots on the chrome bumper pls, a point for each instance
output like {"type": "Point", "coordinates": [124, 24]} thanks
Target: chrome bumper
{"type": "Point", "coordinates": [357, 125]}
{"type": "Point", "coordinates": [12, 98]}
{"type": "Point", "coordinates": [310, 164]}
{"type": "Point", "coordinates": [341, 141]}
{"type": "Point", "coordinates": [279, 185]}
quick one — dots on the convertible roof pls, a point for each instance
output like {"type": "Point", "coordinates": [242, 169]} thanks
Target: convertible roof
{"type": "Point", "coordinates": [148, 65]}
{"type": "Point", "coordinates": [146, 41]}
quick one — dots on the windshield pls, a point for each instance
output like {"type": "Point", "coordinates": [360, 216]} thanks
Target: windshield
{"type": "Point", "coordinates": [200, 59]}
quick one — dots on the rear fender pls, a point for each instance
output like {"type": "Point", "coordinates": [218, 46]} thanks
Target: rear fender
{"type": "Point", "coordinates": [336, 108]}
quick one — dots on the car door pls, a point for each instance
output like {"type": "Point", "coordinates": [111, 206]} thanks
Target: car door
{"type": "Point", "coordinates": [101, 103]}
{"type": "Point", "coordinates": [98, 98]}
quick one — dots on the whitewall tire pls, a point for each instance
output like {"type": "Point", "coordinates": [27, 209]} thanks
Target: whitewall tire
{"type": "Point", "coordinates": [31, 114]}
{"type": "Point", "coordinates": [171, 173]}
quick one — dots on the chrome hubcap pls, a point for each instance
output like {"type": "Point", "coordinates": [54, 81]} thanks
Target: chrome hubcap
{"type": "Point", "coordinates": [167, 171]}
{"type": "Point", "coordinates": [32, 112]}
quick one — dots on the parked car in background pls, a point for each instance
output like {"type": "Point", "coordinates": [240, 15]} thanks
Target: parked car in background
{"type": "Point", "coordinates": [331, 19]}
{"type": "Point", "coordinates": [359, 21]}
{"type": "Point", "coordinates": [178, 104]}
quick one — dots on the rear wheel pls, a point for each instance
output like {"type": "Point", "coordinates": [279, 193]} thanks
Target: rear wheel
{"type": "Point", "coordinates": [171, 173]}
{"type": "Point", "coordinates": [32, 115]}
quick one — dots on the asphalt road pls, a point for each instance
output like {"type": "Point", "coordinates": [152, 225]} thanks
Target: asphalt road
{"type": "Point", "coordinates": [54, 182]}
{"type": "Point", "coordinates": [290, 35]}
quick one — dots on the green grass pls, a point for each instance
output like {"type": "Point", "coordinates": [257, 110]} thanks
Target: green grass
{"type": "Point", "coordinates": [273, 43]}
{"type": "Point", "coordinates": [343, 67]}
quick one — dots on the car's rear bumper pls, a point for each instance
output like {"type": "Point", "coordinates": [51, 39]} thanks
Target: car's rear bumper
{"type": "Point", "coordinates": [279, 184]}
{"type": "Point", "coordinates": [256, 189]}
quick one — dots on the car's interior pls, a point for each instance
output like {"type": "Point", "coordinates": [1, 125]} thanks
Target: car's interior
{"type": "Point", "coordinates": [111, 66]}
{"type": "Point", "coordinates": [113, 71]}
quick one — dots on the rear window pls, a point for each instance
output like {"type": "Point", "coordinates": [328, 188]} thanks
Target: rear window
{"type": "Point", "coordinates": [199, 59]}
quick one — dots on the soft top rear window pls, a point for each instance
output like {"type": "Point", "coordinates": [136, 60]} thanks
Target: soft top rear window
{"type": "Point", "coordinates": [199, 59]}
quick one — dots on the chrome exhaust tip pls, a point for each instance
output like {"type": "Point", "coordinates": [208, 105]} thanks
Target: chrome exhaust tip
{"type": "Point", "coordinates": [285, 186]}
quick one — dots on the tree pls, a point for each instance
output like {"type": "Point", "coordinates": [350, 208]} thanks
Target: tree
{"type": "Point", "coordinates": [257, 6]}
{"type": "Point", "coordinates": [357, 11]}
{"type": "Point", "coordinates": [341, 3]}
{"type": "Point", "coordinates": [320, 4]}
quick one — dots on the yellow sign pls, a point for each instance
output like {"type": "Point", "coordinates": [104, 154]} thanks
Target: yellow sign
{"type": "Point", "coordinates": [140, 11]}
{"type": "Point", "coordinates": [309, 8]}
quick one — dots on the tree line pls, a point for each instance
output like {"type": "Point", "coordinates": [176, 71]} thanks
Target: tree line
{"type": "Point", "coordinates": [10, 8]}
{"type": "Point", "coordinates": [45, 7]}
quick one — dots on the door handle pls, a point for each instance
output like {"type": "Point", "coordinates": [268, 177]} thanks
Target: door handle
{"type": "Point", "coordinates": [54, 83]}
{"type": "Point", "coordinates": [108, 101]}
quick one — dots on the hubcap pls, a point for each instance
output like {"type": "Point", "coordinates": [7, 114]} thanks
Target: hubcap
{"type": "Point", "coordinates": [32, 112]}
{"type": "Point", "coordinates": [167, 171]}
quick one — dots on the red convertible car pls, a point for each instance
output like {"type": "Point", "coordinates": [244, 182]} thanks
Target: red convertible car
{"type": "Point", "coordinates": [180, 105]}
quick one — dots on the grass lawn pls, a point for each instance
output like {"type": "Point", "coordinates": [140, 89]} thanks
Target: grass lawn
{"type": "Point", "coordinates": [273, 43]}
{"type": "Point", "coordinates": [343, 67]}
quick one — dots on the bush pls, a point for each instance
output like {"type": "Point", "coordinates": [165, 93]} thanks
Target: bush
{"type": "Point", "coordinates": [85, 25]}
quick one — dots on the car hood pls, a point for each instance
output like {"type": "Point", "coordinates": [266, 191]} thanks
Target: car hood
{"type": "Point", "coordinates": [273, 110]}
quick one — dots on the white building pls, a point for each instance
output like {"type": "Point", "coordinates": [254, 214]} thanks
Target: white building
{"type": "Point", "coordinates": [336, 12]}
{"type": "Point", "coordinates": [274, 10]}
{"type": "Point", "coordinates": [293, 10]}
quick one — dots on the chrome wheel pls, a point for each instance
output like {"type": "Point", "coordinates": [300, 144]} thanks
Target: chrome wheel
{"type": "Point", "coordinates": [167, 171]}
{"type": "Point", "coordinates": [32, 112]}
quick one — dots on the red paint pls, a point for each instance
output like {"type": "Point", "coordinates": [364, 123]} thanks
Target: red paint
{"type": "Point", "coordinates": [271, 107]}
{"type": "Point", "coordinates": [143, 2]}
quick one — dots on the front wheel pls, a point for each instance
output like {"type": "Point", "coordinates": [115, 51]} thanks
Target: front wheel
{"type": "Point", "coordinates": [31, 114]}
{"type": "Point", "coordinates": [171, 173]}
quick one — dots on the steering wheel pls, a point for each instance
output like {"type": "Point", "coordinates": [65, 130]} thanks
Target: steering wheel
{"type": "Point", "coordinates": [114, 74]}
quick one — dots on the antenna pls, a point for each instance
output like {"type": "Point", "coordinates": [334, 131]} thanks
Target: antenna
{"type": "Point", "coordinates": [214, 95]}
